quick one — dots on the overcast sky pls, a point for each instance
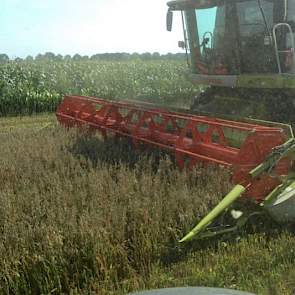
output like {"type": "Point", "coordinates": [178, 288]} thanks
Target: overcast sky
{"type": "Point", "coordinates": [29, 27]}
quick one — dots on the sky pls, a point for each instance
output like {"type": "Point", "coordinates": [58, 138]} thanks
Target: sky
{"type": "Point", "coordinates": [30, 27]}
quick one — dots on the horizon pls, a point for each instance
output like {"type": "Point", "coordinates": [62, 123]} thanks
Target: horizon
{"type": "Point", "coordinates": [100, 53]}
{"type": "Point", "coordinates": [86, 27]}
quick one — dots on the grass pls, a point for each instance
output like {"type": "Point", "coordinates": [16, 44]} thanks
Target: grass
{"type": "Point", "coordinates": [37, 122]}
{"type": "Point", "coordinates": [79, 216]}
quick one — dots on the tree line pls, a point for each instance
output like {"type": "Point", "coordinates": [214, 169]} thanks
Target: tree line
{"type": "Point", "coordinates": [99, 56]}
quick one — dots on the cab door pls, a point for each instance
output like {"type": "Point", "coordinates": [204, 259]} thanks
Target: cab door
{"type": "Point", "coordinates": [204, 36]}
{"type": "Point", "coordinates": [255, 26]}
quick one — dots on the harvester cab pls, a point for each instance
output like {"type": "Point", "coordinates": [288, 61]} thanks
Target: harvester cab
{"type": "Point", "coordinates": [231, 42]}
{"type": "Point", "coordinates": [243, 49]}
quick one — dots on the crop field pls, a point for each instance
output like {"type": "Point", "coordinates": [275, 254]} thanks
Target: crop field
{"type": "Point", "coordinates": [38, 86]}
{"type": "Point", "coordinates": [83, 216]}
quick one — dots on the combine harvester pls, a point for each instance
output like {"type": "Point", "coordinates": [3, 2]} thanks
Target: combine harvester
{"type": "Point", "coordinates": [241, 49]}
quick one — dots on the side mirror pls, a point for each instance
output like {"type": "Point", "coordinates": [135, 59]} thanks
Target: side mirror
{"type": "Point", "coordinates": [169, 20]}
{"type": "Point", "coordinates": [181, 44]}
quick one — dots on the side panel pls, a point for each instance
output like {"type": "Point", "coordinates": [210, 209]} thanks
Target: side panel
{"type": "Point", "coordinates": [245, 81]}
{"type": "Point", "coordinates": [216, 80]}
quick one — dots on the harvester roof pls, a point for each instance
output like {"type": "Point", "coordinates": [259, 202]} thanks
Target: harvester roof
{"type": "Point", "coordinates": [187, 4]}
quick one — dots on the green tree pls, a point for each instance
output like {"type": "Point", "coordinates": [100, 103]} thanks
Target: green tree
{"type": "Point", "coordinates": [49, 56]}
{"type": "Point", "coordinates": [39, 57]}
{"type": "Point", "coordinates": [18, 59]}
{"type": "Point", "coordinates": [77, 57]}
{"type": "Point", "coordinates": [29, 58]}
{"type": "Point", "coordinates": [146, 56]}
{"type": "Point", "coordinates": [4, 58]}
{"type": "Point", "coordinates": [59, 57]}
{"type": "Point", "coordinates": [95, 57]}
{"type": "Point", "coordinates": [85, 57]}
{"type": "Point", "coordinates": [135, 55]}
{"type": "Point", "coordinates": [156, 55]}
{"type": "Point", "coordinates": [67, 57]}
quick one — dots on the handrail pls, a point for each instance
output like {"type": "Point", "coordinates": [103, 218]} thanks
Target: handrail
{"type": "Point", "coordinates": [274, 31]}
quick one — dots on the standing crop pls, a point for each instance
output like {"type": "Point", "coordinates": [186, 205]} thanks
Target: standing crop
{"type": "Point", "coordinates": [38, 86]}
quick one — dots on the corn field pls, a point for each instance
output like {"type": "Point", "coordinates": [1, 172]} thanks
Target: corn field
{"type": "Point", "coordinates": [38, 86]}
